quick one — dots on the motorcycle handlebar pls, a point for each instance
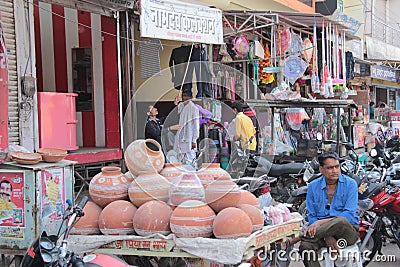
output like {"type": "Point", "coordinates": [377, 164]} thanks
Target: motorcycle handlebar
{"type": "Point", "coordinates": [76, 261]}
{"type": "Point", "coordinates": [82, 203]}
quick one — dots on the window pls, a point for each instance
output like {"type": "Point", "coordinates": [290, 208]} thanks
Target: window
{"type": "Point", "coordinates": [82, 75]}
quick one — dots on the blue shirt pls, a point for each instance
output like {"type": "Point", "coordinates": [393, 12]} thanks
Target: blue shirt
{"type": "Point", "coordinates": [344, 202]}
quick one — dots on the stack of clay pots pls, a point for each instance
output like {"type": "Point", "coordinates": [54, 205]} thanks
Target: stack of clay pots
{"type": "Point", "coordinates": [150, 199]}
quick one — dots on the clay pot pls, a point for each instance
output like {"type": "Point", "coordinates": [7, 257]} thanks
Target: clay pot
{"type": "Point", "coordinates": [188, 187]}
{"type": "Point", "coordinates": [222, 194]}
{"type": "Point", "coordinates": [151, 218]}
{"type": "Point", "coordinates": [210, 172]}
{"type": "Point", "coordinates": [130, 176]}
{"type": "Point", "coordinates": [143, 156]}
{"type": "Point", "coordinates": [117, 218]}
{"type": "Point", "coordinates": [148, 186]}
{"type": "Point", "coordinates": [89, 223]}
{"type": "Point", "coordinates": [232, 223]}
{"type": "Point", "coordinates": [172, 171]}
{"type": "Point", "coordinates": [255, 214]}
{"type": "Point", "coordinates": [192, 218]}
{"type": "Point", "coordinates": [108, 185]}
{"type": "Point", "coordinates": [247, 197]}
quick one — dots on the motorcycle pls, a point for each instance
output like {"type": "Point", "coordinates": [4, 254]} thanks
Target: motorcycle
{"type": "Point", "coordinates": [46, 252]}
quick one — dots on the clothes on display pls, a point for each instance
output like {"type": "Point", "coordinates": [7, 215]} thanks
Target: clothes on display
{"type": "Point", "coordinates": [349, 65]}
{"type": "Point", "coordinates": [186, 59]}
{"type": "Point", "coordinates": [149, 57]}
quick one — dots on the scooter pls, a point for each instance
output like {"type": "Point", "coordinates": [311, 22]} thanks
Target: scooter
{"type": "Point", "coordinates": [46, 252]}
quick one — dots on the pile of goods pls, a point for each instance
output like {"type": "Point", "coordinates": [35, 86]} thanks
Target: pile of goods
{"type": "Point", "coordinates": [153, 198]}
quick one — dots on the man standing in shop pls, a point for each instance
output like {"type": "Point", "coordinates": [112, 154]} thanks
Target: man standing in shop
{"type": "Point", "coordinates": [244, 129]}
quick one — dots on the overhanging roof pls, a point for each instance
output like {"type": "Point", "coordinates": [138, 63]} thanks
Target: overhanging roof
{"type": "Point", "coordinates": [102, 7]}
{"type": "Point", "coordinates": [252, 20]}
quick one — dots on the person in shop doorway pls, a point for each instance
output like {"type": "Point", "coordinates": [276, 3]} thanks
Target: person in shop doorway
{"type": "Point", "coordinates": [372, 110]}
{"type": "Point", "coordinates": [332, 211]}
{"type": "Point", "coordinates": [186, 137]}
{"type": "Point", "coordinates": [154, 125]}
{"type": "Point", "coordinates": [244, 128]}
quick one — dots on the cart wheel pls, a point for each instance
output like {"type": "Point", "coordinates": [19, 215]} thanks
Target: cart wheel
{"type": "Point", "coordinates": [17, 260]}
{"type": "Point", "coordinates": [172, 262]}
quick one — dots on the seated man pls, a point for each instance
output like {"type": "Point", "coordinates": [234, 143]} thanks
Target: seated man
{"type": "Point", "coordinates": [332, 211]}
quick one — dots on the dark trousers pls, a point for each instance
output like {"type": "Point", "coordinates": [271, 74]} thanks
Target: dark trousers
{"type": "Point", "coordinates": [339, 228]}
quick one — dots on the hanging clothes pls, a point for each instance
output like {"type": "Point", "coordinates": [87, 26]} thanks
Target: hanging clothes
{"type": "Point", "coordinates": [349, 65]}
{"type": "Point", "coordinates": [148, 52]}
{"type": "Point", "coordinates": [198, 62]}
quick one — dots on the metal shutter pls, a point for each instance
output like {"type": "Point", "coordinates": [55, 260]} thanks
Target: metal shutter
{"type": "Point", "coordinates": [7, 19]}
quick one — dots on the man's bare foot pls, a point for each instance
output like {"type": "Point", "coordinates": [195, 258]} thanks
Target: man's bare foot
{"type": "Point", "coordinates": [289, 242]}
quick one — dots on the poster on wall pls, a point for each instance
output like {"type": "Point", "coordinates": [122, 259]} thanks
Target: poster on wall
{"type": "Point", "coordinates": [12, 206]}
{"type": "Point", "coordinates": [53, 197]}
{"type": "Point", "coordinates": [359, 132]}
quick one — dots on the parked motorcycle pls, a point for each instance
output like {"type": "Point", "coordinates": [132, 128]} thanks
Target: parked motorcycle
{"type": "Point", "coordinates": [46, 252]}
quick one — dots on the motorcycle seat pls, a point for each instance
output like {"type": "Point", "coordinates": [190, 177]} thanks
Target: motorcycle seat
{"type": "Point", "coordinates": [285, 169]}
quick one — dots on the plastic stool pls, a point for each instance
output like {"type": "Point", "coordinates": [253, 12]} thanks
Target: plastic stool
{"type": "Point", "coordinates": [349, 257]}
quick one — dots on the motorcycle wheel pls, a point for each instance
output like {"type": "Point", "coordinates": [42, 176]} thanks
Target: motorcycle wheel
{"type": "Point", "coordinates": [374, 245]}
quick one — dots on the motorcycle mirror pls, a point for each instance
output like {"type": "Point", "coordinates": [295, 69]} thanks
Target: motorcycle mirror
{"type": "Point", "coordinates": [373, 153]}
{"type": "Point", "coordinates": [319, 136]}
{"type": "Point", "coordinates": [349, 146]}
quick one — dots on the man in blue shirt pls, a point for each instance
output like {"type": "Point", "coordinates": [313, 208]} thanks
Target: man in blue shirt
{"type": "Point", "coordinates": [332, 211]}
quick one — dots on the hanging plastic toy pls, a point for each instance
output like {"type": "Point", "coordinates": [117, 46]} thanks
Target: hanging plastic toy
{"type": "Point", "coordinates": [241, 46]}
{"type": "Point", "coordinates": [293, 68]}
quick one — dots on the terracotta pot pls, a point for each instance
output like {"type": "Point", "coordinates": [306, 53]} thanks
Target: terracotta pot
{"type": "Point", "coordinates": [172, 171]}
{"type": "Point", "coordinates": [148, 186]}
{"type": "Point", "coordinates": [130, 176]}
{"type": "Point", "coordinates": [192, 218]}
{"type": "Point", "coordinates": [232, 223]}
{"type": "Point", "coordinates": [108, 185]}
{"type": "Point", "coordinates": [247, 197]}
{"type": "Point", "coordinates": [117, 218]}
{"type": "Point", "coordinates": [255, 214]}
{"type": "Point", "coordinates": [188, 187]}
{"type": "Point", "coordinates": [210, 172]}
{"type": "Point", "coordinates": [89, 223]}
{"type": "Point", "coordinates": [143, 156]}
{"type": "Point", "coordinates": [222, 194]}
{"type": "Point", "coordinates": [151, 218]}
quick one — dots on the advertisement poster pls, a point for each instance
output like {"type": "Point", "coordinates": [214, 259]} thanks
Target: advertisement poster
{"type": "Point", "coordinates": [53, 197]}
{"type": "Point", "coordinates": [359, 136]}
{"type": "Point", "coordinates": [12, 207]}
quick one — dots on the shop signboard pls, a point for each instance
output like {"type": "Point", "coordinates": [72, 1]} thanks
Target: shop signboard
{"type": "Point", "coordinates": [383, 73]}
{"type": "Point", "coordinates": [174, 20]}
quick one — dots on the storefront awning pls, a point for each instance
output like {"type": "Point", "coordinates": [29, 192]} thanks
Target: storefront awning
{"type": "Point", "coordinates": [102, 7]}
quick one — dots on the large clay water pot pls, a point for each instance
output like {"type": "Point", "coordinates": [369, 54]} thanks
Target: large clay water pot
{"type": "Point", "coordinates": [210, 172]}
{"type": "Point", "coordinates": [88, 224]}
{"type": "Point", "coordinates": [188, 187]}
{"type": "Point", "coordinates": [247, 197]}
{"type": "Point", "coordinates": [108, 185]}
{"type": "Point", "coordinates": [192, 218]}
{"type": "Point", "coordinates": [148, 186]}
{"type": "Point", "coordinates": [222, 194]}
{"type": "Point", "coordinates": [232, 223]}
{"type": "Point", "coordinates": [152, 218]}
{"type": "Point", "coordinates": [117, 218]}
{"type": "Point", "coordinates": [255, 214]}
{"type": "Point", "coordinates": [143, 156]}
{"type": "Point", "coordinates": [130, 176]}
{"type": "Point", "coordinates": [172, 171]}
